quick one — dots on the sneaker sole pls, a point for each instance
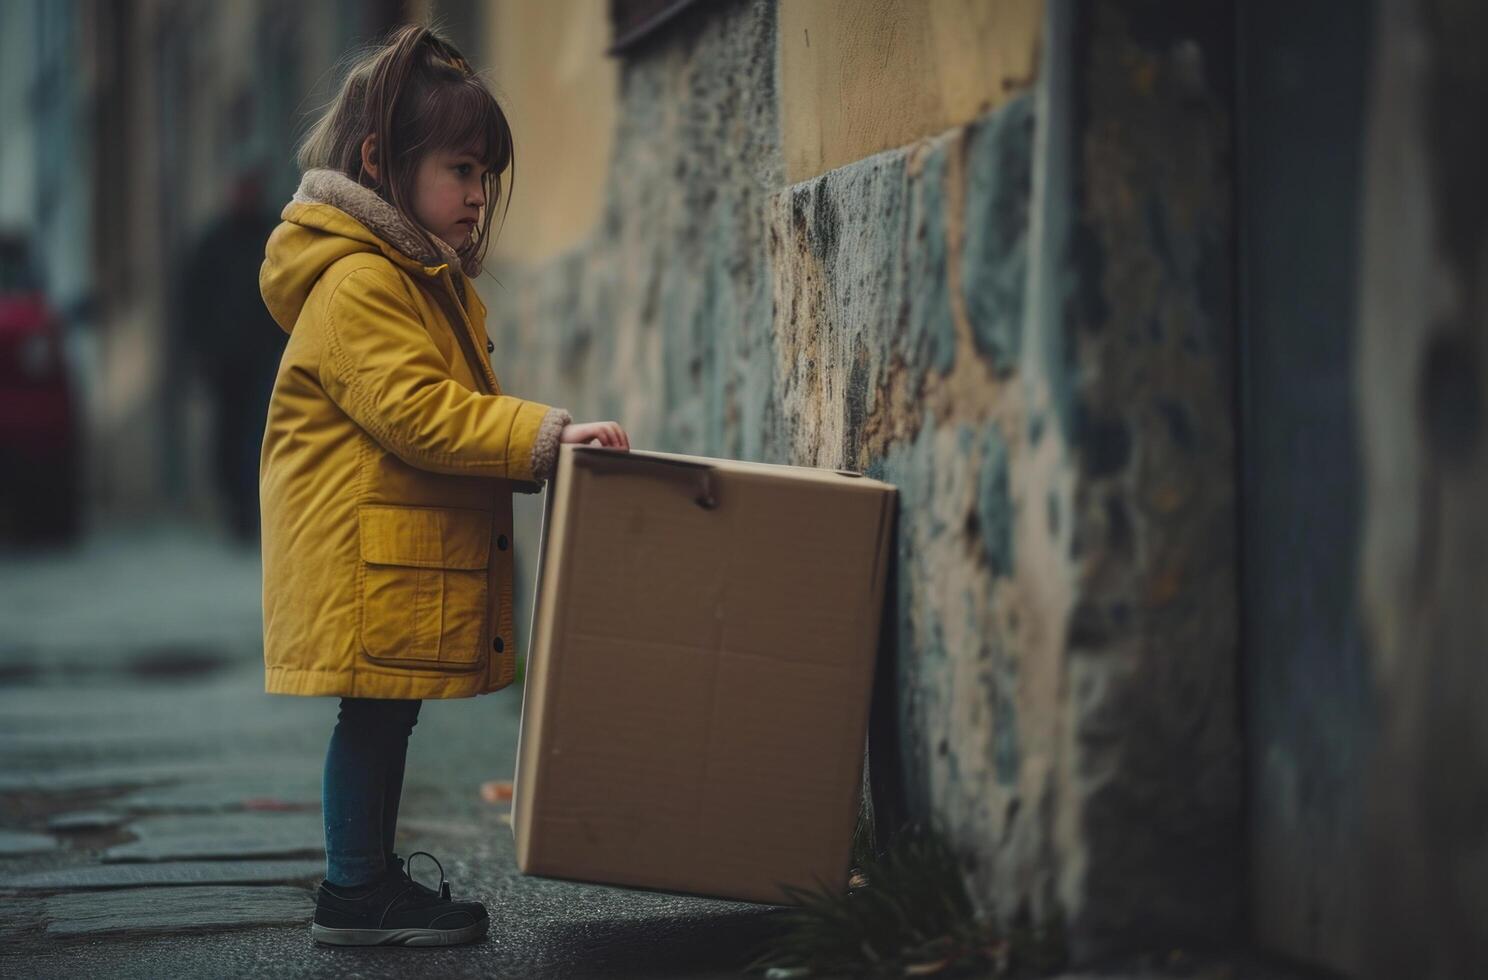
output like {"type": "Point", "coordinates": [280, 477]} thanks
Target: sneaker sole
{"type": "Point", "coordinates": [398, 937]}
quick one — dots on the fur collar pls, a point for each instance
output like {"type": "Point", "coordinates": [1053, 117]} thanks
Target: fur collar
{"type": "Point", "coordinates": [379, 217]}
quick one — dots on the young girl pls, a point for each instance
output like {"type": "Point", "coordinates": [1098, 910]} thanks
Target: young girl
{"type": "Point", "coordinates": [390, 457]}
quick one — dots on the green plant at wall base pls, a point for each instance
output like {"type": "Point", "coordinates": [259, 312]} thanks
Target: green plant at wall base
{"type": "Point", "coordinates": [907, 914]}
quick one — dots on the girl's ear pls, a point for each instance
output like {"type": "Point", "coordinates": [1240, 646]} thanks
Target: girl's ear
{"type": "Point", "coordinates": [369, 156]}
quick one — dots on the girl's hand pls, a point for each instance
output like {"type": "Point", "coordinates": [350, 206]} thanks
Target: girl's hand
{"type": "Point", "coordinates": [591, 433]}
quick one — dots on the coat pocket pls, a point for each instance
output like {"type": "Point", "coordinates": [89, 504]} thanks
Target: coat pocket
{"type": "Point", "coordinates": [423, 594]}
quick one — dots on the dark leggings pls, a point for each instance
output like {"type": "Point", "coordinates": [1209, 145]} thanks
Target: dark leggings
{"type": "Point", "coordinates": [362, 785]}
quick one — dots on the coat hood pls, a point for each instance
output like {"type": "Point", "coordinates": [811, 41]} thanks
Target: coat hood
{"type": "Point", "coordinates": [330, 217]}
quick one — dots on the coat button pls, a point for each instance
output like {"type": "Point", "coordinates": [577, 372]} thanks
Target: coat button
{"type": "Point", "coordinates": [498, 644]}
{"type": "Point", "coordinates": [490, 345]}
{"type": "Point", "coordinates": [501, 541]}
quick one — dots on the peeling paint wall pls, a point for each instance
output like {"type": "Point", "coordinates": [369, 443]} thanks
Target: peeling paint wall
{"type": "Point", "coordinates": [899, 285]}
{"type": "Point", "coordinates": [1024, 323]}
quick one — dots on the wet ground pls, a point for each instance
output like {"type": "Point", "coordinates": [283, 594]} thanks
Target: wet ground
{"type": "Point", "coordinates": [160, 814]}
{"type": "Point", "coordinates": [157, 808]}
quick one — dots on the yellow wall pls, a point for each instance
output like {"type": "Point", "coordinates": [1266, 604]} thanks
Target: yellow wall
{"type": "Point", "coordinates": [856, 77]}
{"type": "Point", "coordinates": [547, 66]}
{"type": "Point", "coordinates": [861, 76]}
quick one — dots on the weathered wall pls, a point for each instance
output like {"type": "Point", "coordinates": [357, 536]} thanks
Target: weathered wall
{"type": "Point", "coordinates": [1024, 322]}
{"type": "Point", "coordinates": [899, 288]}
{"type": "Point", "coordinates": [1132, 316]}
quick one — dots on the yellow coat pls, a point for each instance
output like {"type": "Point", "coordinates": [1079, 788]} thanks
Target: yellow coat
{"type": "Point", "coordinates": [389, 461]}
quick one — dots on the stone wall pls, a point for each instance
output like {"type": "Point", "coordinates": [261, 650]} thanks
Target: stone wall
{"type": "Point", "coordinates": [1024, 323]}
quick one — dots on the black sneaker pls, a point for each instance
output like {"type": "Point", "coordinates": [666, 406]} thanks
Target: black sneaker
{"type": "Point", "coordinates": [396, 911]}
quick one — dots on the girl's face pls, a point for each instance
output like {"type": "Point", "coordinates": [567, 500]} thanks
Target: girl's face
{"type": "Point", "coordinates": [448, 195]}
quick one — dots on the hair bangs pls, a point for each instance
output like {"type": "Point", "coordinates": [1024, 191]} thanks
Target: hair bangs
{"type": "Point", "coordinates": [464, 117]}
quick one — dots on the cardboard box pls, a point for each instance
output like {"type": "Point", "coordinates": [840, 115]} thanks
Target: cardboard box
{"type": "Point", "coordinates": [702, 650]}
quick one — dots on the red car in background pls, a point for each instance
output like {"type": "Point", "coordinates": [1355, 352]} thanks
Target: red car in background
{"type": "Point", "coordinates": [39, 473]}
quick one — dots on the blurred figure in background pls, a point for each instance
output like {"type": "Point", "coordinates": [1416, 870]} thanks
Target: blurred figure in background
{"type": "Point", "coordinates": [233, 344]}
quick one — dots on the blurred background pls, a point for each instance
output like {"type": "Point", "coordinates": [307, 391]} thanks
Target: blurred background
{"type": "Point", "coordinates": [148, 146]}
{"type": "Point", "coordinates": [1167, 318]}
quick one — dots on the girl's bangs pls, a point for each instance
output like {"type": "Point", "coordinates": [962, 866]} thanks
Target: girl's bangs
{"type": "Point", "coordinates": [466, 117]}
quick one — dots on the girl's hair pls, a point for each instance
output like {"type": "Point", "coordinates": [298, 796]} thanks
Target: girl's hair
{"type": "Point", "coordinates": [417, 95]}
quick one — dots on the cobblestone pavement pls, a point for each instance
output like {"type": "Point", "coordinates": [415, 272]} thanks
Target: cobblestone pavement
{"type": "Point", "coordinates": [159, 814]}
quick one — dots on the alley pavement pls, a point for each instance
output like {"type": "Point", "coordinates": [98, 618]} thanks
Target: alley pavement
{"type": "Point", "coordinates": [160, 814]}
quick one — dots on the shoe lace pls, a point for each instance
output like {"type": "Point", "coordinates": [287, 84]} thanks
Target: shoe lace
{"type": "Point", "coordinates": [444, 888]}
